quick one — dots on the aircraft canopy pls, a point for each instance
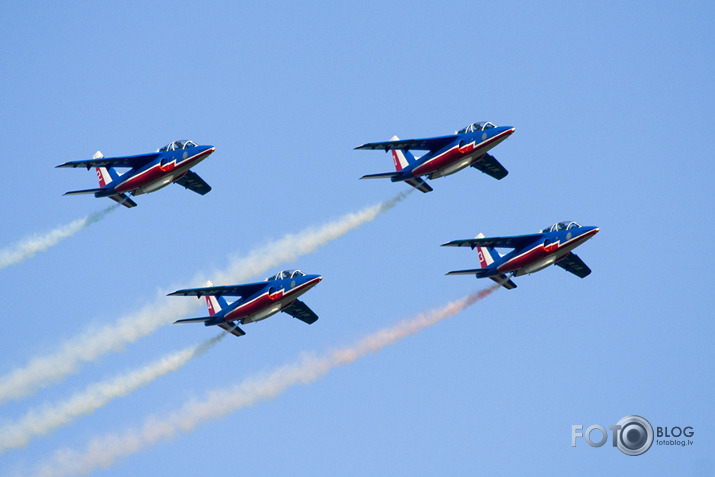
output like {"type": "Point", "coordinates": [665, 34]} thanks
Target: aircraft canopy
{"type": "Point", "coordinates": [286, 274]}
{"type": "Point", "coordinates": [176, 145]}
{"type": "Point", "coordinates": [566, 225]}
{"type": "Point", "coordinates": [480, 126]}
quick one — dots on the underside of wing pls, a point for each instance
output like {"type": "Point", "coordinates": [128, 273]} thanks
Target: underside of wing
{"type": "Point", "coordinates": [192, 181]}
{"type": "Point", "coordinates": [573, 264]}
{"type": "Point", "coordinates": [517, 241]}
{"type": "Point", "coordinates": [426, 144]}
{"type": "Point", "coordinates": [233, 290]}
{"type": "Point", "coordinates": [135, 162]}
{"type": "Point", "coordinates": [301, 311]}
{"type": "Point", "coordinates": [491, 167]}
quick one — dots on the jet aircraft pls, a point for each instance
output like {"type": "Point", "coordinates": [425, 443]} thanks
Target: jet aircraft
{"type": "Point", "coordinates": [445, 154]}
{"type": "Point", "coordinates": [531, 253]}
{"type": "Point", "coordinates": [148, 172]}
{"type": "Point", "coordinates": [257, 301]}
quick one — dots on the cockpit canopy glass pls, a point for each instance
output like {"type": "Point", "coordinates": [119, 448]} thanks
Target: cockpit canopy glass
{"type": "Point", "coordinates": [481, 126]}
{"type": "Point", "coordinates": [286, 274]}
{"type": "Point", "coordinates": [176, 145]}
{"type": "Point", "coordinates": [566, 225]}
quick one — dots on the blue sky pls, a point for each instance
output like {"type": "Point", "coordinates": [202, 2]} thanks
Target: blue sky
{"type": "Point", "coordinates": [612, 105]}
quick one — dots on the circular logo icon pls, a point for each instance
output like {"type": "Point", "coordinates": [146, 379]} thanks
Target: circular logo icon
{"type": "Point", "coordinates": [635, 435]}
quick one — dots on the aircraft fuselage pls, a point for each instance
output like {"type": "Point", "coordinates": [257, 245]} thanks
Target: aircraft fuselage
{"type": "Point", "coordinates": [543, 253]}
{"type": "Point", "coordinates": [456, 156]}
{"type": "Point", "coordinates": [268, 302]}
{"type": "Point", "coordinates": [159, 174]}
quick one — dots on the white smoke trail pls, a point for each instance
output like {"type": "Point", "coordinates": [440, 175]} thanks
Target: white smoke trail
{"type": "Point", "coordinates": [45, 370]}
{"type": "Point", "coordinates": [107, 450]}
{"type": "Point", "coordinates": [28, 247]}
{"type": "Point", "coordinates": [292, 246]}
{"type": "Point", "coordinates": [40, 422]}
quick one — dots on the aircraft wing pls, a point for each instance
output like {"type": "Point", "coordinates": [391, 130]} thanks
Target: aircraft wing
{"type": "Point", "coordinates": [572, 263]}
{"type": "Point", "coordinates": [232, 290]}
{"type": "Point", "coordinates": [134, 162]}
{"type": "Point", "coordinates": [491, 167]}
{"type": "Point", "coordinates": [301, 311]}
{"type": "Point", "coordinates": [426, 144]}
{"type": "Point", "coordinates": [192, 181]}
{"type": "Point", "coordinates": [517, 241]}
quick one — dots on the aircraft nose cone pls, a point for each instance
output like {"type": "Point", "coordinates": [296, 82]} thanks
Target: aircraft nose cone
{"type": "Point", "coordinates": [313, 278]}
{"type": "Point", "coordinates": [590, 232]}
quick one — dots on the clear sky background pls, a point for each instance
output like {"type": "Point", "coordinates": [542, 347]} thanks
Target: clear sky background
{"type": "Point", "coordinates": [613, 106]}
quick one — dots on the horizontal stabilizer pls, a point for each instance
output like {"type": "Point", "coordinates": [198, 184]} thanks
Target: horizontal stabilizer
{"type": "Point", "coordinates": [384, 175]}
{"type": "Point", "coordinates": [491, 167]}
{"type": "Point", "coordinates": [124, 200]}
{"type": "Point", "coordinates": [500, 279]}
{"type": "Point", "coordinates": [517, 241]}
{"type": "Point", "coordinates": [419, 184]}
{"type": "Point", "coordinates": [504, 281]}
{"type": "Point", "coordinates": [233, 328]}
{"type": "Point", "coordinates": [193, 320]}
{"type": "Point", "coordinates": [471, 271]}
{"type": "Point", "coordinates": [426, 144]}
{"type": "Point", "coordinates": [232, 290]}
{"type": "Point", "coordinates": [84, 191]}
{"type": "Point", "coordinates": [135, 162]}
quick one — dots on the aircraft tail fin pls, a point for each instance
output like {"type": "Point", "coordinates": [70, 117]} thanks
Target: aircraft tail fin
{"type": "Point", "coordinates": [486, 254]}
{"type": "Point", "coordinates": [401, 157]}
{"type": "Point", "coordinates": [105, 175]}
{"type": "Point", "coordinates": [213, 302]}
